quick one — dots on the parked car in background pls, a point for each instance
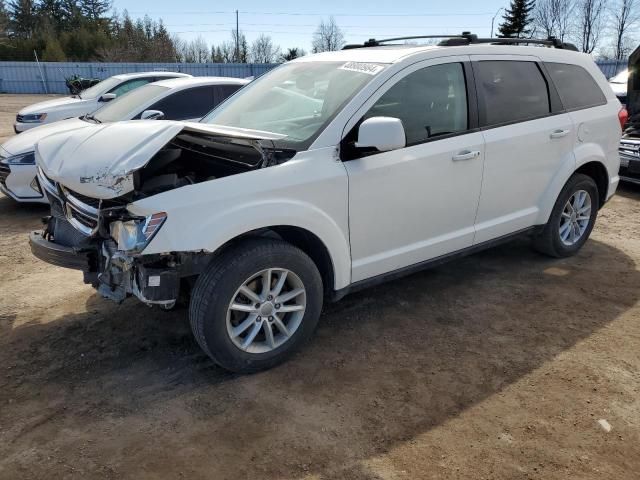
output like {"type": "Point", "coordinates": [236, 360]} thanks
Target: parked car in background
{"type": "Point", "coordinates": [175, 99]}
{"type": "Point", "coordinates": [87, 101]}
{"type": "Point", "coordinates": [630, 159]}
{"type": "Point", "coordinates": [619, 85]}
{"type": "Point", "coordinates": [331, 173]}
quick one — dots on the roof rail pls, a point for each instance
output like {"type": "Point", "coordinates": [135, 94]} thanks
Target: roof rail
{"type": "Point", "coordinates": [468, 38]}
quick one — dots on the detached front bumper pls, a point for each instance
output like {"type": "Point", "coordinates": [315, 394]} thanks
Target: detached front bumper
{"type": "Point", "coordinates": [61, 256]}
{"type": "Point", "coordinates": [115, 275]}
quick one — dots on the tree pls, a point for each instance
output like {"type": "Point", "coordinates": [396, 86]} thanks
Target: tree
{"type": "Point", "coordinates": [328, 37]}
{"type": "Point", "coordinates": [53, 51]}
{"type": "Point", "coordinates": [517, 19]}
{"type": "Point", "coordinates": [22, 18]}
{"type": "Point", "coordinates": [624, 16]}
{"type": "Point", "coordinates": [240, 47]}
{"type": "Point", "coordinates": [263, 50]}
{"type": "Point", "coordinates": [554, 17]}
{"type": "Point", "coordinates": [590, 20]}
{"type": "Point", "coordinates": [94, 9]}
{"type": "Point", "coordinates": [4, 21]}
{"type": "Point", "coordinates": [291, 54]}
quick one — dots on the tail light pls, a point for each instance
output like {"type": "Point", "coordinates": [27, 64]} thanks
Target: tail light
{"type": "Point", "coordinates": [623, 116]}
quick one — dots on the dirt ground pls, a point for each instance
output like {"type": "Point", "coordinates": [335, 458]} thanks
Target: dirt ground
{"type": "Point", "coordinates": [502, 365]}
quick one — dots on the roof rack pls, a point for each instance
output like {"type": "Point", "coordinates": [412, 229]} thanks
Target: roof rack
{"type": "Point", "coordinates": [468, 38]}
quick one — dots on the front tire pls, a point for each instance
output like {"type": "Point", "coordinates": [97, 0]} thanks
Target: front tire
{"type": "Point", "coordinates": [256, 304]}
{"type": "Point", "coordinates": [572, 219]}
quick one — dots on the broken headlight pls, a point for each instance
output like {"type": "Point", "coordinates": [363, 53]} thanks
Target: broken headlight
{"type": "Point", "coordinates": [134, 235]}
{"type": "Point", "coordinates": [28, 158]}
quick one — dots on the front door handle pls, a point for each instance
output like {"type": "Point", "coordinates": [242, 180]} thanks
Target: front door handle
{"type": "Point", "coordinates": [559, 133]}
{"type": "Point", "coordinates": [466, 155]}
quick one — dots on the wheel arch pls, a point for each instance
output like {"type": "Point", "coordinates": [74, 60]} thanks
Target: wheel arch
{"type": "Point", "coordinates": [302, 238]}
{"type": "Point", "coordinates": [598, 172]}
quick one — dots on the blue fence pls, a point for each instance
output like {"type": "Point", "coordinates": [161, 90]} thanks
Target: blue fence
{"type": "Point", "coordinates": [611, 67]}
{"type": "Point", "coordinates": [49, 77]}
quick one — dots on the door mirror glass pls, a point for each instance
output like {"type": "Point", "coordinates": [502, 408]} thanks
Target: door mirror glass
{"type": "Point", "coordinates": [152, 115]}
{"type": "Point", "coordinates": [382, 133]}
{"type": "Point", "coordinates": [107, 97]}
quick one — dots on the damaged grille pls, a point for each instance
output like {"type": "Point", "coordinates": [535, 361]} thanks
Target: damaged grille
{"type": "Point", "coordinates": [80, 211]}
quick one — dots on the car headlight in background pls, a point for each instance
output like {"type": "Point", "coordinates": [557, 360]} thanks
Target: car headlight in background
{"type": "Point", "coordinates": [134, 235]}
{"type": "Point", "coordinates": [33, 118]}
{"type": "Point", "coordinates": [28, 158]}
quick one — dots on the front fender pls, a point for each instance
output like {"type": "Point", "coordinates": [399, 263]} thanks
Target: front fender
{"type": "Point", "coordinates": [308, 192]}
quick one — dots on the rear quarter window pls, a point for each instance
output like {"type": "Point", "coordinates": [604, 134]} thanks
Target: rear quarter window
{"type": "Point", "coordinates": [576, 86]}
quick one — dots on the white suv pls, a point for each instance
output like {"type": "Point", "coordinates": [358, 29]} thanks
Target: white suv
{"type": "Point", "coordinates": [331, 173]}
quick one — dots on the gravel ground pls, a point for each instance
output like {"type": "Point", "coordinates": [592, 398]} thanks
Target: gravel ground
{"type": "Point", "coordinates": [503, 365]}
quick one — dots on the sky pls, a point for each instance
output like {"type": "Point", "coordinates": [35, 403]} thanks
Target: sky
{"type": "Point", "coordinates": [291, 24]}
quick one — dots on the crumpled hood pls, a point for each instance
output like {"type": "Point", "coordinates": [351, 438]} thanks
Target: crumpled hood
{"type": "Point", "coordinates": [99, 161]}
{"type": "Point", "coordinates": [26, 141]}
{"type": "Point", "coordinates": [47, 105]}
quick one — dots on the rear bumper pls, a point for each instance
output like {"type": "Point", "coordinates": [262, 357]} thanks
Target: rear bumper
{"type": "Point", "coordinates": [59, 255]}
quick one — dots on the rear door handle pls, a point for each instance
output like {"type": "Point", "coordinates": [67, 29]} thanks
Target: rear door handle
{"type": "Point", "coordinates": [559, 133]}
{"type": "Point", "coordinates": [466, 155]}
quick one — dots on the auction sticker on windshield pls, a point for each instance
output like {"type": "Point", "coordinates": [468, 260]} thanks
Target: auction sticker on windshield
{"type": "Point", "coordinates": [368, 68]}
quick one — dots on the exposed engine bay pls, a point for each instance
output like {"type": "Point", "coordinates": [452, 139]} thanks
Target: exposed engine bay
{"type": "Point", "coordinates": [104, 240]}
{"type": "Point", "coordinates": [193, 158]}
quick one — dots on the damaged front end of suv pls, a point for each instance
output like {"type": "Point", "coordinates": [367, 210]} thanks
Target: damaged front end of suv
{"type": "Point", "coordinates": [94, 227]}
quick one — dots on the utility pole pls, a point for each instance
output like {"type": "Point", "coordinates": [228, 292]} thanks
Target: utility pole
{"type": "Point", "coordinates": [237, 39]}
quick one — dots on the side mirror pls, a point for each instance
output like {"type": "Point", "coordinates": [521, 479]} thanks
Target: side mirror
{"type": "Point", "coordinates": [383, 133]}
{"type": "Point", "coordinates": [107, 97]}
{"type": "Point", "coordinates": [152, 115]}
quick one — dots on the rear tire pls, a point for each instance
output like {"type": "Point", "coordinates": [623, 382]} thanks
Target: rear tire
{"type": "Point", "coordinates": [572, 219]}
{"type": "Point", "coordinates": [256, 304]}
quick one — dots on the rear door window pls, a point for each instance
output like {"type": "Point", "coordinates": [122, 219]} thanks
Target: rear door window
{"type": "Point", "coordinates": [186, 104]}
{"type": "Point", "coordinates": [221, 92]}
{"type": "Point", "coordinates": [510, 91]}
{"type": "Point", "coordinates": [576, 87]}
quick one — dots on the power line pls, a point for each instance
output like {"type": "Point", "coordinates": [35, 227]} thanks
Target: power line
{"type": "Point", "coordinates": [205, 12]}
{"type": "Point", "coordinates": [315, 25]}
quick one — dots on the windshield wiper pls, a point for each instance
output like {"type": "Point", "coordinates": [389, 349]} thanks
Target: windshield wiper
{"type": "Point", "coordinates": [91, 117]}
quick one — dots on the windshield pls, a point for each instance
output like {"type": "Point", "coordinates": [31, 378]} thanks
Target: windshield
{"type": "Point", "coordinates": [100, 87]}
{"type": "Point", "coordinates": [122, 107]}
{"type": "Point", "coordinates": [297, 99]}
{"type": "Point", "coordinates": [622, 77]}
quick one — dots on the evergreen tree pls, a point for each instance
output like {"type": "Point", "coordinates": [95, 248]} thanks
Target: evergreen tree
{"type": "Point", "coordinates": [53, 51]}
{"type": "Point", "coordinates": [4, 21]}
{"type": "Point", "coordinates": [517, 19]}
{"type": "Point", "coordinates": [22, 18]}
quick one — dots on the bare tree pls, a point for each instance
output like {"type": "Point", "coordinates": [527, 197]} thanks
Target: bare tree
{"type": "Point", "coordinates": [554, 17]}
{"type": "Point", "coordinates": [263, 50]}
{"type": "Point", "coordinates": [328, 37]}
{"type": "Point", "coordinates": [624, 17]}
{"type": "Point", "coordinates": [590, 22]}
{"type": "Point", "coordinates": [199, 50]}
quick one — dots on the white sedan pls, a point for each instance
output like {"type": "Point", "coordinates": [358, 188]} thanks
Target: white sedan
{"type": "Point", "coordinates": [87, 101]}
{"type": "Point", "coordinates": [176, 99]}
